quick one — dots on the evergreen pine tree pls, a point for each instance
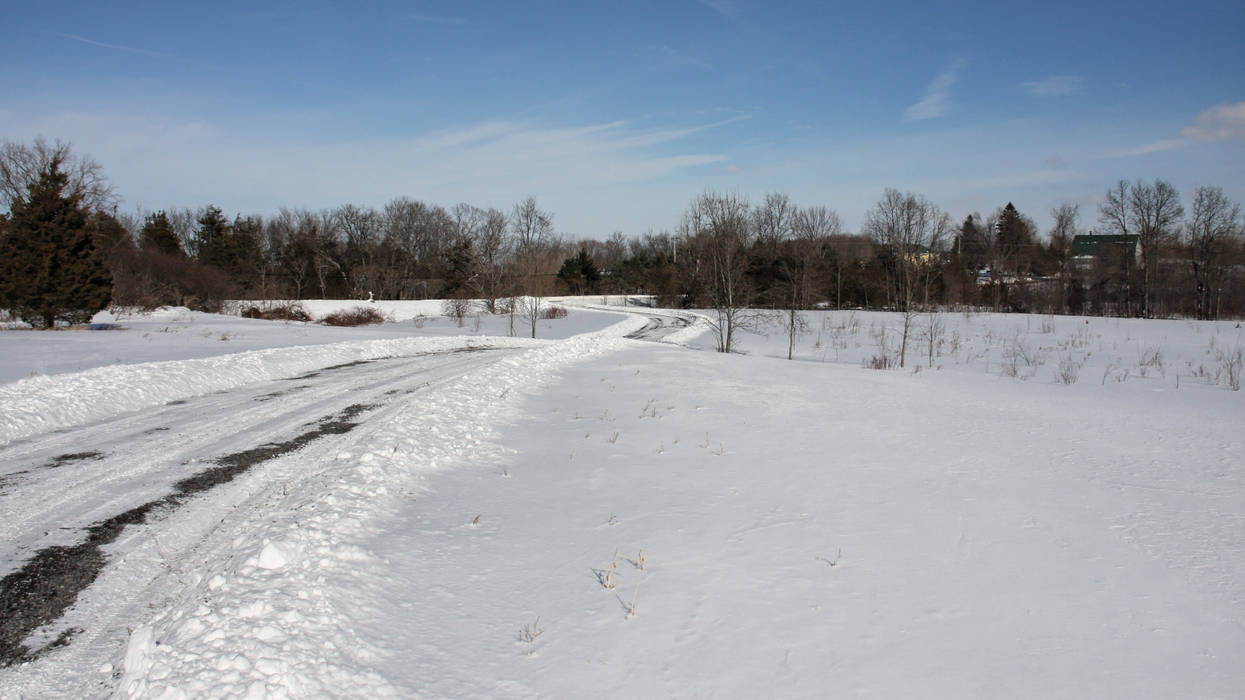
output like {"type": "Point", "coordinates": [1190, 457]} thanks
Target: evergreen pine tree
{"type": "Point", "coordinates": [243, 256]}
{"type": "Point", "coordinates": [209, 243]}
{"type": "Point", "coordinates": [460, 268]}
{"type": "Point", "coordinates": [579, 274]}
{"type": "Point", "coordinates": [589, 269]}
{"type": "Point", "coordinates": [50, 268]}
{"type": "Point", "coordinates": [1015, 239]}
{"type": "Point", "coordinates": [970, 243]}
{"type": "Point", "coordinates": [232, 249]}
{"type": "Point", "coordinates": [157, 234]}
{"type": "Point", "coordinates": [571, 275]}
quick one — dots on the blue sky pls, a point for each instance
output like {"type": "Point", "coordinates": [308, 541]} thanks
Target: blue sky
{"type": "Point", "coordinates": [615, 115]}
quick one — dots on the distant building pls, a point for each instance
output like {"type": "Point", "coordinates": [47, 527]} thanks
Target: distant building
{"type": "Point", "coordinates": [1092, 246]}
{"type": "Point", "coordinates": [1121, 249]}
{"type": "Point", "coordinates": [1106, 269]}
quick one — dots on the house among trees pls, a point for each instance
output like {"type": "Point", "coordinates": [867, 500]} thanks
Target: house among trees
{"type": "Point", "coordinates": [1108, 273]}
{"type": "Point", "coordinates": [1086, 247]}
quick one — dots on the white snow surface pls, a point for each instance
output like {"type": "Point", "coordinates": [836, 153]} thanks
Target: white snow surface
{"type": "Point", "coordinates": [180, 334]}
{"type": "Point", "coordinates": [603, 516]}
{"type": "Point", "coordinates": [279, 617]}
{"type": "Point", "coordinates": [50, 401]}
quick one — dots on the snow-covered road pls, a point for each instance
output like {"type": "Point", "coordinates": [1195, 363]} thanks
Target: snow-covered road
{"type": "Point", "coordinates": [67, 496]}
{"type": "Point", "coordinates": [131, 459]}
{"type": "Point", "coordinates": [148, 510]}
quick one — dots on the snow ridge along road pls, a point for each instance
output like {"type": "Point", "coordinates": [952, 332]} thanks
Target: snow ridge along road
{"type": "Point", "coordinates": [261, 566]}
{"type": "Point", "coordinates": [43, 403]}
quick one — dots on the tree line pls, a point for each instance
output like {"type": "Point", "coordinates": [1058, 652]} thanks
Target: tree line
{"type": "Point", "coordinates": [1155, 258]}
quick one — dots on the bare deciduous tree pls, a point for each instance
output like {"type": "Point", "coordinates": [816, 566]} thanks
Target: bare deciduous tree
{"type": "Point", "coordinates": [1150, 212]}
{"type": "Point", "coordinates": [20, 165]}
{"type": "Point", "coordinates": [493, 247]}
{"type": "Point", "coordinates": [532, 229]}
{"type": "Point", "coordinates": [772, 220]}
{"type": "Point", "coordinates": [1214, 221]}
{"type": "Point", "coordinates": [531, 225]}
{"type": "Point", "coordinates": [718, 227]}
{"type": "Point", "coordinates": [810, 231]}
{"type": "Point", "coordinates": [362, 229]}
{"type": "Point", "coordinates": [1155, 214]}
{"type": "Point", "coordinates": [913, 230]}
{"type": "Point", "coordinates": [1114, 212]}
{"type": "Point", "coordinates": [1062, 232]}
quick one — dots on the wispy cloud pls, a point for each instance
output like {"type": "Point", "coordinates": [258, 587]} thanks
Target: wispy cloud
{"type": "Point", "coordinates": [669, 59]}
{"type": "Point", "coordinates": [283, 80]}
{"type": "Point", "coordinates": [653, 137]}
{"type": "Point", "coordinates": [1055, 86]}
{"type": "Point", "coordinates": [1221, 123]}
{"type": "Point", "coordinates": [1225, 122]}
{"type": "Point", "coordinates": [487, 163]}
{"type": "Point", "coordinates": [435, 19]}
{"type": "Point", "coordinates": [730, 9]}
{"type": "Point", "coordinates": [130, 49]}
{"type": "Point", "coordinates": [1153, 147]}
{"type": "Point", "coordinates": [936, 99]}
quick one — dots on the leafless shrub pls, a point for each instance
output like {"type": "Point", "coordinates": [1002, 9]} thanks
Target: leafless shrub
{"type": "Point", "coordinates": [1121, 376]}
{"type": "Point", "coordinates": [358, 316]}
{"type": "Point", "coordinates": [1010, 365]}
{"type": "Point", "coordinates": [529, 632]}
{"type": "Point", "coordinates": [955, 343]}
{"type": "Point", "coordinates": [457, 309]}
{"type": "Point", "coordinates": [882, 340]}
{"type": "Point", "coordinates": [1230, 368]}
{"type": "Point", "coordinates": [1015, 354]}
{"type": "Point", "coordinates": [1069, 371]}
{"type": "Point", "coordinates": [1150, 357]}
{"type": "Point", "coordinates": [553, 312]}
{"type": "Point", "coordinates": [878, 362]}
{"type": "Point", "coordinates": [932, 334]}
{"type": "Point", "coordinates": [278, 312]}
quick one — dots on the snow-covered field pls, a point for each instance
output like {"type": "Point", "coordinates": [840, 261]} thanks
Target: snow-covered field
{"type": "Point", "coordinates": [1055, 508]}
{"type": "Point", "coordinates": [180, 334]}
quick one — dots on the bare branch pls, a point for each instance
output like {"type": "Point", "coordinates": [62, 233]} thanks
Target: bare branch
{"type": "Point", "coordinates": [20, 165]}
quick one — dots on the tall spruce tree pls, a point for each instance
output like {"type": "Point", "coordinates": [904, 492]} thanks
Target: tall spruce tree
{"type": "Point", "coordinates": [209, 242]}
{"type": "Point", "coordinates": [460, 268]}
{"type": "Point", "coordinates": [579, 273]}
{"type": "Point", "coordinates": [157, 234]}
{"type": "Point", "coordinates": [971, 246]}
{"type": "Point", "coordinates": [1015, 239]}
{"type": "Point", "coordinates": [50, 268]}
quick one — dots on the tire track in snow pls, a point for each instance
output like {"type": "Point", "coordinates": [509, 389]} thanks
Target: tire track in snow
{"type": "Point", "coordinates": [38, 405]}
{"type": "Point", "coordinates": [293, 588]}
{"type": "Point", "coordinates": [40, 591]}
{"type": "Point", "coordinates": [144, 453]}
{"type": "Point", "coordinates": [50, 581]}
